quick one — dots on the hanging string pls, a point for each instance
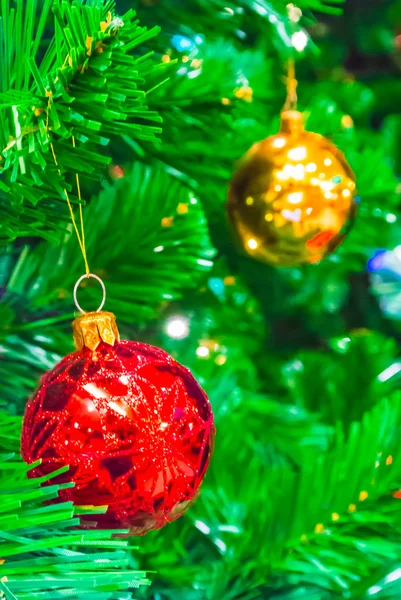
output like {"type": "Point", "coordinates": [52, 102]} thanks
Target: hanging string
{"type": "Point", "coordinates": [81, 216]}
{"type": "Point", "coordinates": [80, 236]}
{"type": "Point", "coordinates": [292, 84]}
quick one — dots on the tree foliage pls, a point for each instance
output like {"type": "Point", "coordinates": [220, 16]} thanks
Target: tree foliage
{"type": "Point", "coordinates": [302, 366]}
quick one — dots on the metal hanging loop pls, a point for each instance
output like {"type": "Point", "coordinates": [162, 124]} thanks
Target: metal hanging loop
{"type": "Point", "coordinates": [89, 276]}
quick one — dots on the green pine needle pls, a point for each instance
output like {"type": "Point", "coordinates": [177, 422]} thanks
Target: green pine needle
{"type": "Point", "coordinates": [42, 556]}
{"type": "Point", "coordinates": [91, 82]}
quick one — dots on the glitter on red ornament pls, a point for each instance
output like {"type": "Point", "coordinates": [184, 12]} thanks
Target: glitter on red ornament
{"type": "Point", "coordinates": [135, 427]}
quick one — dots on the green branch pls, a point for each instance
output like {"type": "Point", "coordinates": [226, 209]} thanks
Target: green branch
{"type": "Point", "coordinates": [89, 85]}
{"type": "Point", "coordinates": [42, 556]}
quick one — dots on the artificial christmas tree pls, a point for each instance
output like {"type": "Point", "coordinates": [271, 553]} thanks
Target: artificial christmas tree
{"type": "Point", "coordinates": [136, 112]}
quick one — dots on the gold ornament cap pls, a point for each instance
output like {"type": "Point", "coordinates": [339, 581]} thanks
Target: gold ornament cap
{"type": "Point", "coordinates": [92, 328]}
{"type": "Point", "coordinates": [292, 122]}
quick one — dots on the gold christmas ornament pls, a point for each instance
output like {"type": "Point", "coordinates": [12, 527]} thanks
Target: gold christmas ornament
{"type": "Point", "coordinates": [292, 200]}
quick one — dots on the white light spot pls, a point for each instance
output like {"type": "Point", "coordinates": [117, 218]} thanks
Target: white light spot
{"type": "Point", "coordinates": [328, 162]}
{"type": "Point", "coordinates": [262, 11]}
{"type": "Point", "coordinates": [253, 244]}
{"type": "Point", "coordinates": [204, 263]}
{"type": "Point", "coordinates": [220, 544]}
{"type": "Point", "coordinates": [177, 327]}
{"type": "Point", "coordinates": [229, 528]}
{"type": "Point", "coordinates": [299, 40]}
{"type": "Point", "coordinates": [374, 590]}
{"type": "Point", "coordinates": [343, 344]}
{"type": "Point", "coordinates": [193, 201]}
{"type": "Point", "coordinates": [390, 218]}
{"type": "Point", "coordinates": [202, 527]}
{"type": "Point", "coordinates": [279, 142]}
{"type": "Point", "coordinates": [311, 168]}
{"type": "Point", "coordinates": [292, 215]}
{"type": "Point", "coordinates": [297, 365]}
{"type": "Point", "coordinates": [202, 352]}
{"type": "Point", "coordinates": [159, 249]}
{"type": "Point", "coordinates": [295, 197]}
{"type": "Point", "coordinates": [297, 153]}
{"type": "Point", "coordinates": [389, 372]}
{"type": "Point", "coordinates": [393, 576]}
{"type": "Point", "coordinates": [327, 186]}
{"type": "Point", "coordinates": [194, 74]}
{"type": "Point", "coordinates": [298, 173]}
{"type": "Point", "coordinates": [42, 338]}
{"type": "Point", "coordinates": [96, 392]}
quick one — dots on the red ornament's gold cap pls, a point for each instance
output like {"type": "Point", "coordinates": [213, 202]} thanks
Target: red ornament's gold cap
{"type": "Point", "coordinates": [91, 329]}
{"type": "Point", "coordinates": [292, 122]}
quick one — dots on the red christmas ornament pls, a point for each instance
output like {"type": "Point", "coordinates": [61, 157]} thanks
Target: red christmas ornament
{"type": "Point", "coordinates": [134, 425]}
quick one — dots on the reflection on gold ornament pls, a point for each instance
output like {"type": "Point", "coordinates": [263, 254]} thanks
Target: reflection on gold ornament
{"type": "Point", "coordinates": [292, 200]}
